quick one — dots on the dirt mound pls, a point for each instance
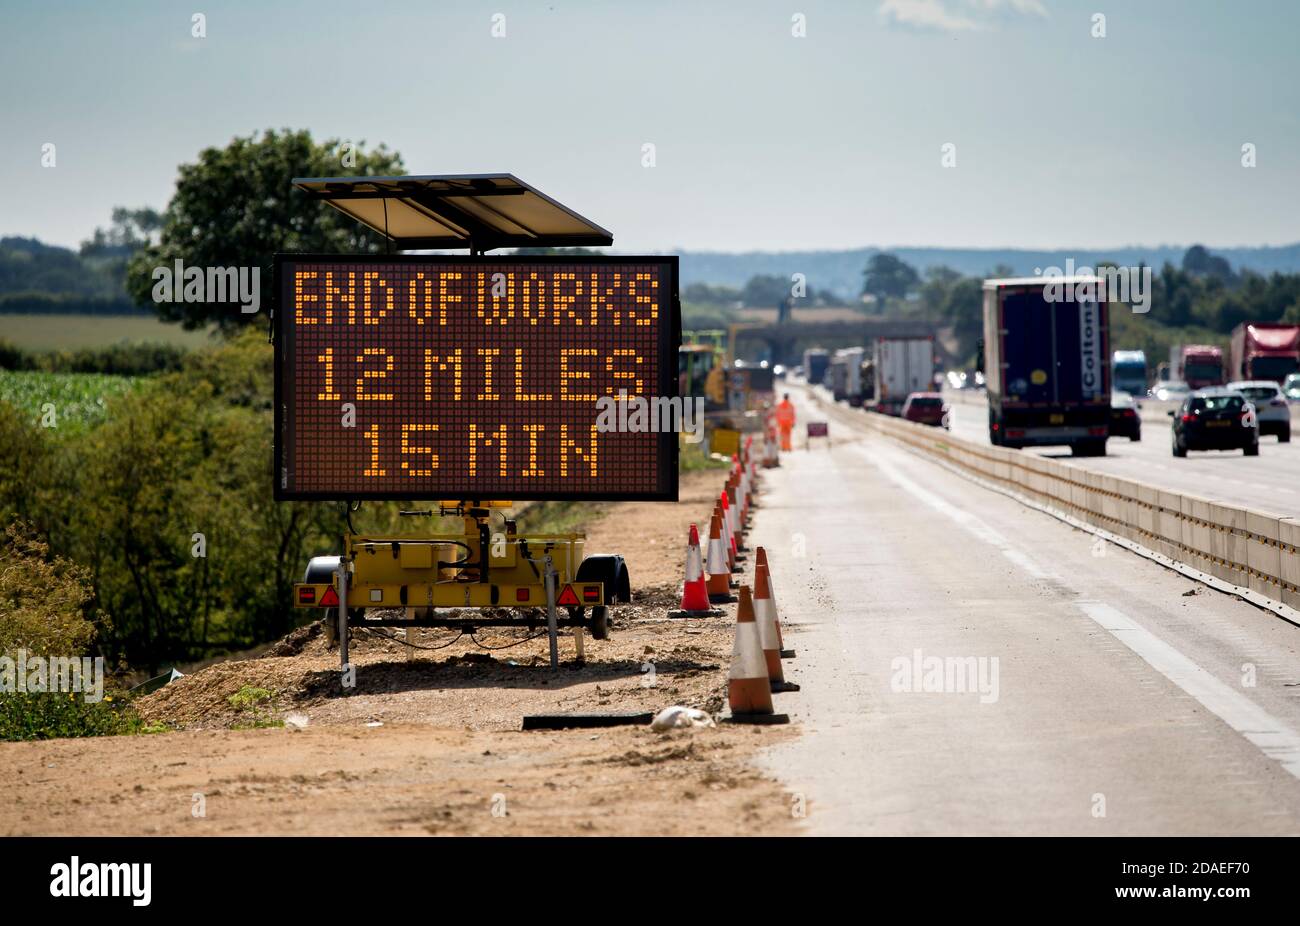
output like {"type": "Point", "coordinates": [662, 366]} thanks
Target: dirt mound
{"type": "Point", "coordinates": [487, 680]}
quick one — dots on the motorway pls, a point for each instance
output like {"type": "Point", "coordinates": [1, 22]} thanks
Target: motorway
{"type": "Point", "coordinates": [1116, 696]}
{"type": "Point", "coordinates": [1269, 482]}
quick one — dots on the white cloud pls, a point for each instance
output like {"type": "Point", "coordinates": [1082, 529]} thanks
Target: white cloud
{"type": "Point", "coordinates": [924, 14]}
{"type": "Point", "coordinates": [946, 15]}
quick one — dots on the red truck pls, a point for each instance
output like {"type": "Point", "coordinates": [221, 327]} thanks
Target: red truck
{"type": "Point", "coordinates": [1265, 350]}
{"type": "Point", "coordinates": [1199, 365]}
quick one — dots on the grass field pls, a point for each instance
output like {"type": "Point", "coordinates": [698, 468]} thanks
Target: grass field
{"type": "Point", "coordinates": [79, 399]}
{"type": "Point", "coordinates": [71, 332]}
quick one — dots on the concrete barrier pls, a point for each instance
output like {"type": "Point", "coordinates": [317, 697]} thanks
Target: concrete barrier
{"type": "Point", "coordinates": [1254, 550]}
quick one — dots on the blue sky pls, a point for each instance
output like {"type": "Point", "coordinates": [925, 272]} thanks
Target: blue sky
{"type": "Point", "coordinates": [762, 140]}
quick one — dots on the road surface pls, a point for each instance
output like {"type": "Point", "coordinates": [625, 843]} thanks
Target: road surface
{"type": "Point", "coordinates": [1269, 482]}
{"type": "Point", "coordinates": [1111, 696]}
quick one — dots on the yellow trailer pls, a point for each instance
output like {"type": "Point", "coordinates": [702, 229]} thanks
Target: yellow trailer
{"type": "Point", "coordinates": [483, 575]}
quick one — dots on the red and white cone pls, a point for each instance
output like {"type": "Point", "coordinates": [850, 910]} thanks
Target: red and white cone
{"type": "Point", "coordinates": [719, 581]}
{"type": "Point", "coordinates": [737, 522]}
{"type": "Point", "coordinates": [765, 617]}
{"type": "Point", "coordinates": [760, 560]}
{"type": "Point", "coordinates": [728, 538]}
{"type": "Point", "coordinates": [695, 590]}
{"type": "Point", "coordinates": [749, 691]}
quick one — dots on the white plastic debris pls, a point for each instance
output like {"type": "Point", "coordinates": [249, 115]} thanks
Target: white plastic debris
{"type": "Point", "coordinates": [296, 721]}
{"type": "Point", "coordinates": [678, 716]}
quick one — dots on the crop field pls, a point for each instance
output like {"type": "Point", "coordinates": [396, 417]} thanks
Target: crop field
{"type": "Point", "coordinates": [72, 332]}
{"type": "Point", "coordinates": [79, 400]}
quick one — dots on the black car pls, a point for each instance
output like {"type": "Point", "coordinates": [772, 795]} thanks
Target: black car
{"type": "Point", "coordinates": [1215, 419]}
{"type": "Point", "coordinates": [1124, 418]}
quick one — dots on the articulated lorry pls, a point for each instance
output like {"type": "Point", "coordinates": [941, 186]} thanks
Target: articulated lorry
{"type": "Point", "coordinates": [837, 378]}
{"type": "Point", "coordinates": [1128, 372]}
{"type": "Point", "coordinates": [900, 366]}
{"type": "Point", "coordinates": [1264, 350]}
{"type": "Point", "coordinates": [1044, 362]}
{"type": "Point", "coordinates": [1198, 365]}
{"type": "Point", "coordinates": [852, 359]}
{"type": "Point", "coordinates": [815, 362]}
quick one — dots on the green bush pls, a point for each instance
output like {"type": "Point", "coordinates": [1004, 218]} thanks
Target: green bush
{"type": "Point", "coordinates": [117, 359]}
{"type": "Point", "coordinates": [51, 715]}
{"type": "Point", "coordinates": [43, 599]}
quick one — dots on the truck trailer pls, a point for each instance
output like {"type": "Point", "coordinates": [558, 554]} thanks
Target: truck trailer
{"type": "Point", "coordinates": [1044, 361]}
{"type": "Point", "coordinates": [900, 366]}
{"type": "Point", "coordinates": [852, 357]}
{"type": "Point", "coordinates": [1264, 350]}
{"type": "Point", "coordinates": [815, 361]}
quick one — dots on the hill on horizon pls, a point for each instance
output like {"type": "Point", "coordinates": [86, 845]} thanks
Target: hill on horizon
{"type": "Point", "coordinates": [841, 271]}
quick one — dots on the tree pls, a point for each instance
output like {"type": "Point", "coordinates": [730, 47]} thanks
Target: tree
{"type": "Point", "coordinates": [236, 207]}
{"type": "Point", "coordinates": [131, 229]}
{"type": "Point", "coordinates": [888, 277]}
{"type": "Point", "coordinates": [1200, 262]}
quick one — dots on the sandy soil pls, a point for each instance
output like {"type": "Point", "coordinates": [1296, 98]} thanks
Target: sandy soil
{"type": "Point", "coordinates": [429, 741]}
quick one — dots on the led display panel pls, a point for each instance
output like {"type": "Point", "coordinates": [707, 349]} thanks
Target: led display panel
{"type": "Point", "coordinates": [419, 377]}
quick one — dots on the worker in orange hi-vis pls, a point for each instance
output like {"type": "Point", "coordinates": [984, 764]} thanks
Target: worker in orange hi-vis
{"type": "Point", "coordinates": [785, 421]}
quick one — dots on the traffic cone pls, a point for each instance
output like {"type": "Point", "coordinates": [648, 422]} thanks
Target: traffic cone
{"type": "Point", "coordinates": [749, 689]}
{"type": "Point", "coordinates": [765, 617]}
{"type": "Point", "coordinates": [728, 539]}
{"type": "Point", "coordinates": [737, 523]}
{"type": "Point", "coordinates": [760, 559]}
{"type": "Point", "coordinates": [719, 581]}
{"type": "Point", "coordinates": [729, 524]}
{"type": "Point", "coordinates": [695, 590]}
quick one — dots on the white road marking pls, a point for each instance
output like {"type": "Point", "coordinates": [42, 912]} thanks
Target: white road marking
{"type": "Point", "coordinates": [1270, 735]}
{"type": "Point", "coordinates": [965, 519]}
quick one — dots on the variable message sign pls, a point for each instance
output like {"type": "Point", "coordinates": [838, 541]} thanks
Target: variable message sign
{"type": "Point", "coordinates": [473, 377]}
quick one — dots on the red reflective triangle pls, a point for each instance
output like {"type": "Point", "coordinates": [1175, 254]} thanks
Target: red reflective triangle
{"type": "Point", "coordinates": [329, 599]}
{"type": "Point", "coordinates": [567, 597]}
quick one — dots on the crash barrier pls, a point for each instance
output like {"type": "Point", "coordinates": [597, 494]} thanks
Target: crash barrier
{"type": "Point", "coordinates": [1247, 548]}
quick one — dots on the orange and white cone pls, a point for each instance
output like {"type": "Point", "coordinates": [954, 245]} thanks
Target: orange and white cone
{"type": "Point", "coordinates": [695, 591]}
{"type": "Point", "coordinates": [719, 581]}
{"type": "Point", "coordinates": [749, 691]}
{"type": "Point", "coordinates": [765, 617]}
{"type": "Point", "coordinates": [728, 538]}
{"type": "Point", "coordinates": [760, 559]}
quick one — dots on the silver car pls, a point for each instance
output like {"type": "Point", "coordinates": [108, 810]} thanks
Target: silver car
{"type": "Point", "coordinates": [1271, 407]}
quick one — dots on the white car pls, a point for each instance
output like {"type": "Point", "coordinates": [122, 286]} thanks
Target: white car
{"type": "Point", "coordinates": [1271, 407]}
{"type": "Point", "coordinates": [1170, 390]}
{"type": "Point", "coordinates": [1291, 387]}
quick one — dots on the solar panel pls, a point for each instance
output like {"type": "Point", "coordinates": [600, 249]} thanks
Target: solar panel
{"type": "Point", "coordinates": [477, 211]}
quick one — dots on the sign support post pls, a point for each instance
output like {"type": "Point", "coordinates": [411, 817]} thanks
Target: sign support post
{"type": "Point", "coordinates": [552, 620]}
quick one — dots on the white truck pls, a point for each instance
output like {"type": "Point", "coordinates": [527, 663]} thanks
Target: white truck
{"type": "Point", "coordinates": [852, 357]}
{"type": "Point", "coordinates": [901, 366]}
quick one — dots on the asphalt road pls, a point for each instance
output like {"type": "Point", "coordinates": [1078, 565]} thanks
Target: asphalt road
{"type": "Point", "coordinates": [1101, 698]}
{"type": "Point", "coordinates": [1269, 482]}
